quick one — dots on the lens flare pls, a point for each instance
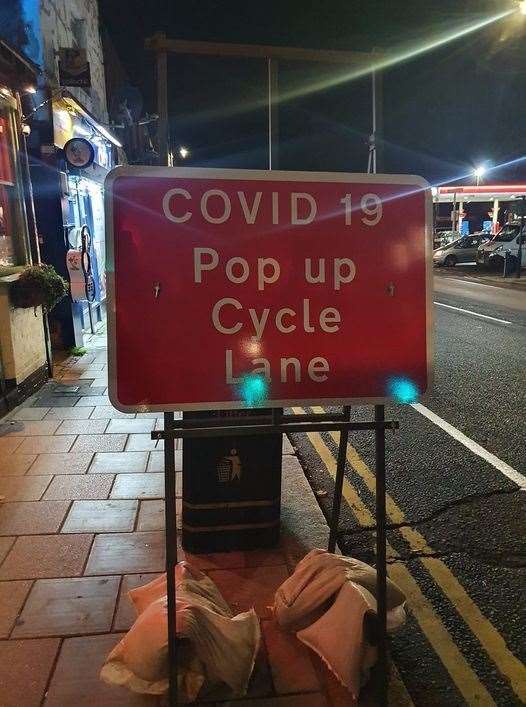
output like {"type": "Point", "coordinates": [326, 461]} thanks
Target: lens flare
{"type": "Point", "coordinates": [253, 389]}
{"type": "Point", "coordinates": [403, 390]}
{"type": "Point", "coordinates": [431, 38]}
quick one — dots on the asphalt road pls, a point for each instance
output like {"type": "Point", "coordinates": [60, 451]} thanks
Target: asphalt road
{"type": "Point", "coordinates": [459, 547]}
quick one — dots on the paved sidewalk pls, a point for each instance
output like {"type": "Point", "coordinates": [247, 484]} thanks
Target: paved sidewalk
{"type": "Point", "coordinates": [81, 522]}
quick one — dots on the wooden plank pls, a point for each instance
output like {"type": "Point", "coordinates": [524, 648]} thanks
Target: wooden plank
{"type": "Point", "coordinates": [179, 46]}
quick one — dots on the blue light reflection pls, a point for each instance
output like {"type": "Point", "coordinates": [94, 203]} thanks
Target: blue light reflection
{"type": "Point", "coordinates": [403, 390]}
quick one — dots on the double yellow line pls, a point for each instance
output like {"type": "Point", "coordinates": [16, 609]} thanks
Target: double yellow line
{"type": "Point", "coordinates": [437, 634]}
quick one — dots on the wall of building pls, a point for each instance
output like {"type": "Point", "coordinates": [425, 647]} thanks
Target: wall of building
{"type": "Point", "coordinates": [41, 27]}
{"type": "Point", "coordinates": [21, 339]}
{"type": "Point", "coordinates": [75, 23]}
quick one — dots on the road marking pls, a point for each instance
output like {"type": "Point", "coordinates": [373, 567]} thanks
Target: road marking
{"type": "Point", "coordinates": [475, 314]}
{"type": "Point", "coordinates": [432, 626]}
{"type": "Point", "coordinates": [495, 462]}
{"type": "Point", "coordinates": [483, 630]}
{"type": "Point", "coordinates": [472, 282]}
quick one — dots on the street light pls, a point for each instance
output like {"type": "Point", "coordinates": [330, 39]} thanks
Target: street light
{"type": "Point", "coordinates": [479, 172]}
{"type": "Point", "coordinates": [184, 152]}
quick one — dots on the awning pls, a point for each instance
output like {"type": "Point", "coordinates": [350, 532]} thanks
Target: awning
{"type": "Point", "coordinates": [70, 99]}
{"type": "Point", "coordinates": [484, 193]}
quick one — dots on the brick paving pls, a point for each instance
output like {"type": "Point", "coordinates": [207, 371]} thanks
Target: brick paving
{"type": "Point", "coordinates": [81, 523]}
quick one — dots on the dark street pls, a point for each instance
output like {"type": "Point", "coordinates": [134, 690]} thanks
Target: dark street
{"type": "Point", "coordinates": [262, 353]}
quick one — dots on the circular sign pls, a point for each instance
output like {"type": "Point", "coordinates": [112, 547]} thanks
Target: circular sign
{"type": "Point", "coordinates": [79, 152]}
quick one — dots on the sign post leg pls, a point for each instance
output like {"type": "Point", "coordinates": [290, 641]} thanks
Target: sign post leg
{"type": "Point", "coordinates": [338, 484]}
{"type": "Point", "coordinates": [381, 562]}
{"type": "Point", "coordinates": [171, 552]}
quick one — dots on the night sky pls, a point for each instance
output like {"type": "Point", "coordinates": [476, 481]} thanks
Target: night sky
{"type": "Point", "coordinates": [445, 110]}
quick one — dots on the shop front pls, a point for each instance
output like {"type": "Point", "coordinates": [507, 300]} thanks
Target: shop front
{"type": "Point", "coordinates": [471, 209]}
{"type": "Point", "coordinates": [86, 151]}
{"type": "Point", "coordinates": [23, 361]}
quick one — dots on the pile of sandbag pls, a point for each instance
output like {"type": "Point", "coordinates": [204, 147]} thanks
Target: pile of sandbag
{"type": "Point", "coordinates": [328, 602]}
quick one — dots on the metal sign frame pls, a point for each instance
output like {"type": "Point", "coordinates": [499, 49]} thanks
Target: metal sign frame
{"type": "Point", "coordinates": [283, 424]}
{"type": "Point", "coordinates": [269, 176]}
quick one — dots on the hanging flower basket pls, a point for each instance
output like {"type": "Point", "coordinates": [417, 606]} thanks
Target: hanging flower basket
{"type": "Point", "coordinates": [38, 286]}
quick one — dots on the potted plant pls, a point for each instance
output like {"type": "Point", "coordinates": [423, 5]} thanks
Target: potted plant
{"type": "Point", "coordinates": [38, 286]}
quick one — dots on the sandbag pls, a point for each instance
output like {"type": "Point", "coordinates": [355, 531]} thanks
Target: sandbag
{"type": "Point", "coordinates": [307, 593]}
{"type": "Point", "coordinates": [213, 646]}
{"type": "Point", "coordinates": [338, 637]}
{"type": "Point", "coordinates": [328, 602]}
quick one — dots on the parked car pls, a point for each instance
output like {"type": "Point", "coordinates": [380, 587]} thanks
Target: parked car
{"type": "Point", "coordinates": [463, 250]}
{"type": "Point", "coordinates": [443, 238]}
{"type": "Point", "coordinates": [492, 253]}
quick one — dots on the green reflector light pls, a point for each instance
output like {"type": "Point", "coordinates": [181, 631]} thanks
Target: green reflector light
{"type": "Point", "coordinates": [253, 389]}
{"type": "Point", "coordinates": [403, 390]}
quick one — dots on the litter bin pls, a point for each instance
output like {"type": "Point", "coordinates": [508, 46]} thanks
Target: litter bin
{"type": "Point", "coordinates": [231, 489]}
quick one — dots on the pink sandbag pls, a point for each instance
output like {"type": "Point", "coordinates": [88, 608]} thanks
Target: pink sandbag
{"type": "Point", "coordinates": [213, 646]}
{"type": "Point", "coordinates": [325, 602]}
{"type": "Point", "coordinates": [142, 597]}
{"type": "Point", "coordinates": [338, 637]}
{"type": "Point", "coordinates": [318, 577]}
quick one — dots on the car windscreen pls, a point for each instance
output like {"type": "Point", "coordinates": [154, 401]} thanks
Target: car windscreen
{"type": "Point", "coordinates": [507, 234]}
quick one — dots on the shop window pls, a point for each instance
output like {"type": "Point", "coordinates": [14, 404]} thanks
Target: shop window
{"type": "Point", "coordinates": [7, 194]}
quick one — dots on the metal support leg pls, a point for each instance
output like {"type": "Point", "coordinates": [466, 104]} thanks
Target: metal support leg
{"type": "Point", "coordinates": [171, 553]}
{"type": "Point", "coordinates": [338, 484]}
{"type": "Point", "coordinates": [381, 564]}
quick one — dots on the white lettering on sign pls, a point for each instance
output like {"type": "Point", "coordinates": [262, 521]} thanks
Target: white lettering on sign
{"type": "Point", "coordinates": [344, 271]}
{"type": "Point", "coordinates": [229, 315]}
{"type": "Point", "coordinates": [218, 306]}
{"type": "Point", "coordinates": [285, 328]}
{"type": "Point", "coordinates": [268, 270]}
{"type": "Point", "coordinates": [229, 270]}
{"type": "Point", "coordinates": [320, 276]}
{"type": "Point", "coordinates": [312, 208]}
{"type": "Point", "coordinates": [372, 207]}
{"type": "Point", "coordinates": [270, 265]}
{"type": "Point", "coordinates": [290, 369]}
{"type": "Point", "coordinates": [200, 266]}
{"type": "Point", "coordinates": [318, 369]}
{"type": "Point", "coordinates": [216, 207]}
{"type": "Point", "coordinates": [227, 207]}
{"type": "Point", "coordinates": [167, 205]}
{"type": "Point", "coordinates": [249, 213]}
{"type": "Point", "coordinates": [328, 319]}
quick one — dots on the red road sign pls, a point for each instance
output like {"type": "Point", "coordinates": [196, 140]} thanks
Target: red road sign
{"type": "Point", "coordinates": [317, 283]}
